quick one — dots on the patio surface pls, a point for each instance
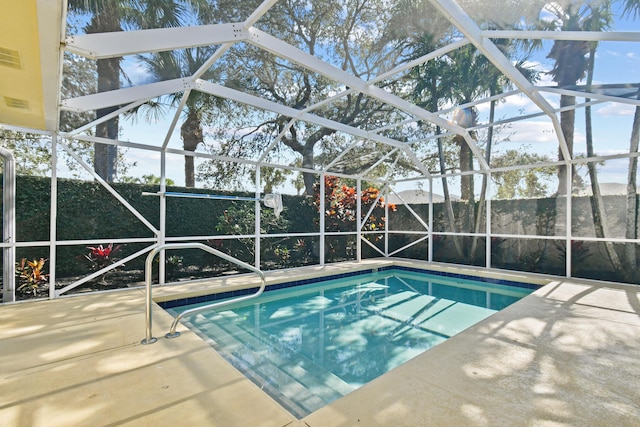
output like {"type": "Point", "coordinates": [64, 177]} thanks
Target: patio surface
{"type": "Point", "coordinates": [567, 355]}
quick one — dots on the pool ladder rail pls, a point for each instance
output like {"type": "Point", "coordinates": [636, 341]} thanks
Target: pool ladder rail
{"type": "Point", "coordinates": [149, 338]}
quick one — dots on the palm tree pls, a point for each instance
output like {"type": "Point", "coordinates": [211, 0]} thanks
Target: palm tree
{"type": "Point", "coordinates": [601, 18]}
{"type": "Point", "coordinates": [462, 77]}
{"type": "Point", "coordinates": [428, 92]}
{"type": "Point", "coordinates": [575, 60]}
{"type": "Point", "coordinates": [111, 16]}
{"type": "Point", "coordinates": [569, 67]}
{"type": "Point", "coordinates": [631, 253]}
{"type": "Point", "coordinates": [179, 64]}
{"type": "Point", "coordinates": [632, 7]}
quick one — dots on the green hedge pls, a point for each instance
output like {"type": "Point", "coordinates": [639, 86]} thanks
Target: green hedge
{"type": "Point", "coordinates": [87, 211]}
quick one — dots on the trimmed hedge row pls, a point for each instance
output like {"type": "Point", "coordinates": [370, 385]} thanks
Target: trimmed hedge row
{"type": "Point", "coordinates": [87, 211]}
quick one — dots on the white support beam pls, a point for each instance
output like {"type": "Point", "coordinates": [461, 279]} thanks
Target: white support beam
{"type": "Point", "coordinates": [126, 95]}
{"type": "Point", "coordinates": [435, 54]}
{"type": "Point", "coordinates": [107, 117]}
{"type": "Point", "coordinates": [454, 13]}
{"type": "Point", "coordinates": [396, 125]}
{"type": "Point", "coordinates": [419, 61]}
{"type": "Point", "coordinates": [259, 12]}
{"type": "Point", "coordinates": [311, 63]}
{"type": "Point", "coordinates": [524, 117]}
{"type": "Point", "coordinates": [276, 141]}
{"type": "Point", "coordinates": [340, 156]}
{"type": "Point", "coordinates": [412, 155]}
{"type": "Point", "coordinates": [375, 165]}
{"type": "Point", "coordinates": [496, 97]}
{"type": "Point", "coordinates": [212, 60]}
{"type": "Point", "coordinates": [590, 95]}
{"type": "Point", "coordinates": [593, 36]}
{"type": "Point", "coordinates": [108, 141]}
{"type": "Point", "coordinates": [124, 43]}
{"type": "Point", "coordinates": [264, 104]}
{"type": "Point", "coordinates": [408, 245]}
{"type": "Point", "coordinates": [110, 189]}
{"type": "Point", "coordinates": [176, 117]}
{"type": "Point", "coordinates": [408, 206]}
{"type": "Point", "coordinates": [373, 206]}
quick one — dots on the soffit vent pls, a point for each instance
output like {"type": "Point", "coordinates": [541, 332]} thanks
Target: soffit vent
{"type": "Point", "coordinates": [10, 58]}
{"type": "Point", "coordinates": [22, 104]}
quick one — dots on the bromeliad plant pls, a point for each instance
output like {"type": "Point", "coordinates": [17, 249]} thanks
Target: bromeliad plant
{"type": "Point", "coordinates": [31, 275]}
{"type": "Point", "coordinates": [101, 257]}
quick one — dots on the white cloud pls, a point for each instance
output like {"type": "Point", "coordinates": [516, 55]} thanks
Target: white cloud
{"type": "Point", "coordinates": [135, 71]}
{"type": "Point", "coordinates": [615, 109]}
{"type": "Point", "coordinates": [533, 132]}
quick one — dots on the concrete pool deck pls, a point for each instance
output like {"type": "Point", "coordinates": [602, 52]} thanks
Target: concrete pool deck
{"type": "Point", "coordinates": [566, 355]}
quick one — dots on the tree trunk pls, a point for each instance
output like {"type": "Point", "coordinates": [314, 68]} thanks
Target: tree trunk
{"type": "Point", "coordinates": [307, 162]}
{"type": "Point", "coordinates": [451, 218]}
{"type": "Point", "coordinates": [306, 150]}
{"type": "Point", "coordinates": [466, 187]}
{"type": "Point", "coordinates": [192, 135]}
{"type": "Point", "coordinates": [632, 226]}
{"type": "Point", "coordinates": [485, 179]}
{"type": "Point", "coordinates": [567, 124]}
{"type": "Point", "coordinates": [106, 156]}
{"type": "Point", "coordinates": [466, 164]}
{"type": "Point", "coordinates": [597, 206]}
{"type": "Point", "coordinates": [447, 200]}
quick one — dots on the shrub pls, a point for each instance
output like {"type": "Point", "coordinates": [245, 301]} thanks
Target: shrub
{"type": "Point", "coordinates": [31, 275]}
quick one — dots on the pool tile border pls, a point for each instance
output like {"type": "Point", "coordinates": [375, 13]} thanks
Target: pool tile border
{"type": "Point", "coordinates": [242, 292]}
{"type": "Point", "coordinates": [491, 280]}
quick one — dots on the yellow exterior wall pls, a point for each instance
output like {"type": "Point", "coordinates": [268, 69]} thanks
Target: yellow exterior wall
{"type": "Point", "coordinates": [20, 32]}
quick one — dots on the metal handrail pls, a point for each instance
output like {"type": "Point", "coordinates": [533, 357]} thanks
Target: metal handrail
{"type": "Point", "coordinates": [149, 339]}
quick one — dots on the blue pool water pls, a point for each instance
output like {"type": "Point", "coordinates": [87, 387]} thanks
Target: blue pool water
{"type": "Point", "coordinates": [308, 345]}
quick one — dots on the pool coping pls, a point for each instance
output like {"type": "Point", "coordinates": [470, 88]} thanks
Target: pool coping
{"type": "Point", "coordinates": [250, 288]}
{"type": "Point", "coordinates": [563, 355]}
{"type": "Point", "coordinates": [240, 285]}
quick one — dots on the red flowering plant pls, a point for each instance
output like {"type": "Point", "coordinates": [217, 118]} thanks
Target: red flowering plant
{"type": "Point", "coordinates": [101, 257]}
{"type": "Point", "coordinates": [341, 204]}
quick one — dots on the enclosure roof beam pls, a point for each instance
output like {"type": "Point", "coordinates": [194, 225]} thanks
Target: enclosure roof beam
{"type": "Point", "coordinates": [311, 63]}
{"type": "Point", "coordinates": [421, 166]}
{"type": "Point", "coordinates": [185, 96]}
{"type": "Point", "coordinates": [451, 109]}
{"type": "Point", "coordinates": [340, 156]}
{"type": "Point", "coordinates": [264, 104]}
{"type": "Point", "coordinates": [108, 117]}
{"type": "Point", "coordinates": [124, 43]}
{"type": "Point", "coordinates": [454, 13]}
{"type": "Point", "coordinates": [595, 36]}
{"type": "Point", "coordinates": [152, 90]}
{"type": "Point", "coordinates": [496, 97]}
{"type": "Point", "coordinates": [375, 165]}
{"type": "Point", "coordinates": [276, 140]}
{"type": "Point", "coordinates": [127, 95]}
{"type": "Point", "coordinates": [423, 59]}
{"type": "Point", "coordinates": [259, 12]}
{"type": "Point", "coordinates": [590, 95]}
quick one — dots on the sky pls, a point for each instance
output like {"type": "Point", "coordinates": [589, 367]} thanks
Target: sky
{"type": "Point", "coordinates": [617, 62]}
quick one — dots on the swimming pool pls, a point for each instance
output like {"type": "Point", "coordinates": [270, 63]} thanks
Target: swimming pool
{"type": "Point", "coordinates": [309, 344]}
